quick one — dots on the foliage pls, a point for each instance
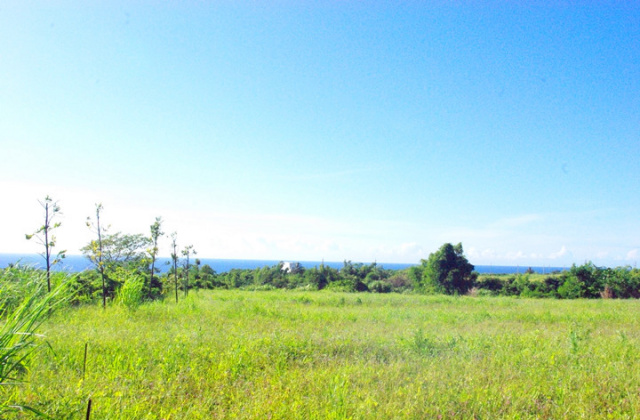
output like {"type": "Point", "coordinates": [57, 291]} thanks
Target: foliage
{"type": "Point", "coordinates": [584, 281]}
{"type": "Point", "coordinates": [16, 282]}
{"type": "Point", "coordinates": [293, 354]}
{"type": "Point", "coordinates": [153, 286]}
{"type": "Point", "coordinates": [119, 250]}
{"type": "Point", "coordinates": [448, 271]}
{"type": "Point", "coordinates": [187, 252]}
{"type": "Point", "coordinates": [18, 338]}
{"type": "Point", "coordinates": [45, 237]}
{"type": "Point", "coordinates": [174, 261]}
{"type": "Point", "coordinates": [97, 250]}
{"type": "Point", "coordinates": [131, 292]}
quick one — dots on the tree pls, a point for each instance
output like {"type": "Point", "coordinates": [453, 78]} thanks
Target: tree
{"type": "Point", "coordinates": [156, 233]}
{"type": "Point", "coordinates": [117, 253]}
{"type": "Point", "coordinates": [448, 271]}
{"type": "Point", "coordinates": [187, 251]}
{"type": "Point", "coordinates": [44, 235]}
{"type": "Point", "coordinates": [96, 248]}
{"type": "Point", "coordinates": [120, 250]}
{"type": "Point", "coordinates": [174, 259]}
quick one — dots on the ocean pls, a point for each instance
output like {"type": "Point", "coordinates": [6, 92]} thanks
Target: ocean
{"type": "Point", "coordinates": [77, 263]}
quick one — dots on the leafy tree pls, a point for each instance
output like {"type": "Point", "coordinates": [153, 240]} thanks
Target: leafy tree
{"type": "Point", "coordinates": [117, 253]}
{"type": "Point", "coordinates": [208, 277]}
{"type": "Point", "coordinates": [448, 271]}
{"type": "Point", "coordinates": [415, 274]}
{"type": "Point", "coordinates": [120, 250]}
{"type": "Point", "coordinates": [320, 277]}
{"type": "Point", "coordinates": [296, 268]}
{"type": "Point", "coordinates": [44, 235]}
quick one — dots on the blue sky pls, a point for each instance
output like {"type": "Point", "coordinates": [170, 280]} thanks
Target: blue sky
{"type": "Point", "coordinates": [328, 130]}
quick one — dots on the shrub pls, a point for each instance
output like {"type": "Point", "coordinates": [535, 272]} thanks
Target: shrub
{"type": "Point", "coordinates": [132, 290]}
{"type": "Point", "coordinates": [491, 284]}
{"type": "Point", "coordinates": [380, 286]}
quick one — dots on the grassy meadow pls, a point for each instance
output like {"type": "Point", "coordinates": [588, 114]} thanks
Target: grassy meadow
{"type": "Point", "coordinates": [329, 355]}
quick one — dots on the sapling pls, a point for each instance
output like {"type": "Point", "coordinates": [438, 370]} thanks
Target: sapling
{"type": "Point", "coordinates": [156, 233]}
{"type": "Point", "coordinates": [96, 250]}
{"type": "Point", "coordinates": [187, 251]}
{"type": "Point", "coordinates": [44, 235]}
{"type": "Point", "coordinates": [174, 259]}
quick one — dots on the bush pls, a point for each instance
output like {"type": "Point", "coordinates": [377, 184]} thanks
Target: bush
{"type": "Point", "coordinates": [491, 284]}
{"type": "Point", "coordinates": [131, 292]}
{"type": "Point", "coordinates": [380, 286]}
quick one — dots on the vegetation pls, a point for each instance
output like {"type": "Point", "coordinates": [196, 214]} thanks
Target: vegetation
{"type": "Point", "coordinates": [352, 349]}
{"type": "Point", "coordinates": [186, 253]}
{"type": "Point", "coordinates": [290, 353]}
{"type": "Point", "coordinates": [154, 287]}
{"type": "Point", "coordinates": [583, 281]}
{"type": "Point", "coordinates": [44, 236]}
{"type": "Point", "coordinates": [24, 307]}
{"type": "Point", "coordinates": [296, 354]}
{"type": "Point", "coordinates": [448, 271]}
{"type": "Point", "coordinates": [128, 259]}
{"type": "Point", "coordinates": [174, 260]}
{"type": "Point", "coordinates": [97, 251]}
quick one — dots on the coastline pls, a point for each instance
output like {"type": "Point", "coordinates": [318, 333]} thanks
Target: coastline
{"type": "Point", "coordinates": [78, 263]}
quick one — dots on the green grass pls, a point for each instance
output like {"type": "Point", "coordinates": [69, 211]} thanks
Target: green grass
{"type": "Point", "coordinates": [323, 355]}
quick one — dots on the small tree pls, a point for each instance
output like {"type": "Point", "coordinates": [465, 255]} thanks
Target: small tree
{"type": "Point", "coordinates": [96, 248]}
{"type": "Point", "coordinates": [156, 233]}
{"type": "Point", "coordinates": [448, 271]}
{"type": "Point", "coordinates": [118, 253]}
{"type": "Point", "coordinates": [44, 235]}
{"type": "Point", "coordinates": [186, 252]}
{"type": "Point", "coordinates": [174, 259]}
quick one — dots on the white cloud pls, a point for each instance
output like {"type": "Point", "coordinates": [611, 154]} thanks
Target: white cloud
{"type": "Point", "coordinates": [411, 249]}
{"type": "Point", "coordinates": [515, 255]}
{"type": "Point", "coordinates": [633, 255]}
{"type": "Point", "coordinates": [563, 252]}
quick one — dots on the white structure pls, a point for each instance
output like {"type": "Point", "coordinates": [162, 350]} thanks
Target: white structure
{"type": "Point", "coordinates": [286, 267]}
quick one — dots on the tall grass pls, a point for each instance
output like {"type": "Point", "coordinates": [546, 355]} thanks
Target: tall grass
{"type": "Point", "coordinates": [131, 293]}
{"type": "Point", "coordinates": [25, 306]}
{"type": "Point", "coordinates": [323, 355]}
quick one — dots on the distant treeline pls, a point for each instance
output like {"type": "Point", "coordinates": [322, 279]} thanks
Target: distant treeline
{"type": "Point", "coordinates": [126, 267]}
{"type": "Point", "coordinates": [584, 281]}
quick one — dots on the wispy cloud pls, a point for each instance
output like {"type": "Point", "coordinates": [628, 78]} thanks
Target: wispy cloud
{"type": "Point", "coordinates": [561, 253]}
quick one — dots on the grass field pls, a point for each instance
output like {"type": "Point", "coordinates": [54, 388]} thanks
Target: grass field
{"type": "Point", "coordinates": [323, 355]}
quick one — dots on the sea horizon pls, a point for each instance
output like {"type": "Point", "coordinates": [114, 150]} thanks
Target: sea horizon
{"type": "Point", "coordinates": [78, 263]}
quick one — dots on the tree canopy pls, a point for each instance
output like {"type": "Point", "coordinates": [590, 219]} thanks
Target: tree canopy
{"type": "Point", "coordinates": [448, 271]}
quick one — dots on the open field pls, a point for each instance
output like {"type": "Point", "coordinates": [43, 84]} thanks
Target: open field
{"type": "Point", "coordinates": [323, 355]}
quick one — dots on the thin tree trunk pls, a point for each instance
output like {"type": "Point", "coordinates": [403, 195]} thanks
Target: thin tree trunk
{"type": "Point", "coordinates": [175, 276]}
{"type": "Point", "coordinates": [104, 285]}
{"type": "Point", "coordinates": [186, 285]}
{"type": "Point", "coordinates": [46, 245]}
